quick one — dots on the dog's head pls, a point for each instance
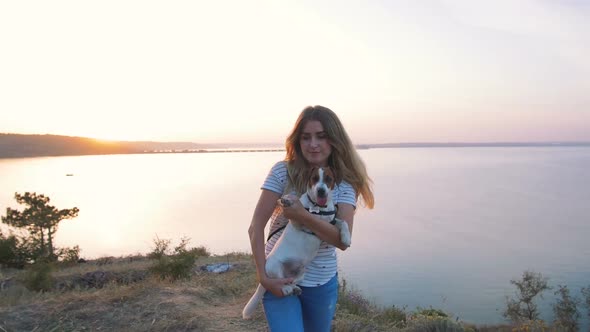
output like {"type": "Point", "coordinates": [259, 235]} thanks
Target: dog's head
{"type": "Point", "coordinates": [320, 185]}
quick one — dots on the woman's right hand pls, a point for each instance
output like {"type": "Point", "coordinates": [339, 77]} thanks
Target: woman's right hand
{"type": "Point", "coordinates": [275, 285]}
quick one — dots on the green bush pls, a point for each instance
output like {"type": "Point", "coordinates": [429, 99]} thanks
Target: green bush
{"type": "Point", "coordinates": [430, 319]}
{"type": "Point", "coordinates": [182, 247]}
{"type": "Point", "coordinates": [346, 322]}
{"type": "Point", "coordinates": [586, 298]}
{"type": "Point", "coordinates": [353, 302]}
{"type": "Point", "coordinates": [179, 264]}
{"type": "Point", "coordinates": [8, 251]}
{"type": "Point", "coordinates": [13, 251]}
{"type": "Point", "coordinates": [174, 267]}
{"type": "Point", "coordinates": [200, 251]}
{"type": "Point", "coordinates": [392, 316]}
{"type": "Point", "coordinates": [523, 308]}
{"type": "Point", "coordinates": [69, 256]}
{"type": "Point", "coordinates": [534, 326]}
{"type": "Point", "coordinates": [431, 312]}
{"type": "Point", "coordinates": [38, 277]}
{"type": "Point", "coordinates": [356, 313]}
{"type": "Point", "coordinates": [566, 310]}
{"type": "Point", "coordinates": [161, 248]}
{"type": "Point", "coordinates": [421, 323]}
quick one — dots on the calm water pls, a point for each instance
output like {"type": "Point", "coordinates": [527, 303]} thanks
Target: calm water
{"type": "Point", "coordinates": [450, 229]}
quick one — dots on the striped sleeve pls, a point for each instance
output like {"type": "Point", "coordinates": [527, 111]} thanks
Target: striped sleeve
{"type": "Point", "coordinates": [276, 180]}
{"type": "Point", "coordinates": [346, 194]}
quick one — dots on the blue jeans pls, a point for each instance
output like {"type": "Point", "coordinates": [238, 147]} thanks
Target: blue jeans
{"type": "Point", "coordinates": [312, 311]}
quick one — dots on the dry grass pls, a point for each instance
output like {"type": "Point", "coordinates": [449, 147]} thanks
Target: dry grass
{"type": "Point", "coordinates": [206, 302]}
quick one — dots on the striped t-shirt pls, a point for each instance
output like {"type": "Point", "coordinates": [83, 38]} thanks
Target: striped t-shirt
{"type": "Point", "coordinates": [324, 266]}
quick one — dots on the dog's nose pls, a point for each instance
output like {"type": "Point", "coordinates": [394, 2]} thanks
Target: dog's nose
{"type": "Point", "coordinates": [321, 192]}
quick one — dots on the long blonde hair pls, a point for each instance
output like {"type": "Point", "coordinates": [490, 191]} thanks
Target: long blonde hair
{"type": "Point", "coordinates": [344, 159]}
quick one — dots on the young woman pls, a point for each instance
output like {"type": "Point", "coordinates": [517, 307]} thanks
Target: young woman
{"type": "Point", "coordinates": [317, 139]}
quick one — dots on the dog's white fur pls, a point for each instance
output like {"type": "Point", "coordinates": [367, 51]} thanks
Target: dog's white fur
{"type": "Point", "coordinates": [298, 246]}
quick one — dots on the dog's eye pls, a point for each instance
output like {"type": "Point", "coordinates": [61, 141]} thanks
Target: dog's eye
{"type": "Point", "coordinates": [315, 178]}
{"type": "Point", "coordinates": [329, 179]}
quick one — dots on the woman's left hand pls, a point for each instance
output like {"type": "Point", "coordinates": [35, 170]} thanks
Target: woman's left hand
{"type": "Point", "coordinates": [295, 210]}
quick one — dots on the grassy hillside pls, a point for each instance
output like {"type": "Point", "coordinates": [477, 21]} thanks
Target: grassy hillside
{"type": "Point", "coordinates": [123, 294]}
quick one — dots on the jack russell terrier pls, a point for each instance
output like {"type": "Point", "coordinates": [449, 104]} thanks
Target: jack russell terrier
{"type": "Point", "coordinates": [298, 246]}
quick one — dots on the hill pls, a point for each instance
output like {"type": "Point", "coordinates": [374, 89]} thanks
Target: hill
{"type": "Point", "coordinates": [124, 294]}
{"type": "Point", "coordinates": [22, 146]}
{"type": "Point", "coordinates": [19, 146]}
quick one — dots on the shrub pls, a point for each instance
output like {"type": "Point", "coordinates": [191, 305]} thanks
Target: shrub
{"type": "Point", "coordinates": [161, 248]}
{"type": "Point", "coordinates": [532, 326]}
{"type": "Point", "coordinates": [356, 313]}
{"type": "Point", "coordinates": [174, 267]}
{"type": "Point", "coordinates": [586, 295]}
{"type": "Point", "coordinates": [105, 260]}
{"type": "Point", "coordinates": [16, 251]}
{"type": "Point", "coordinates": [392, 316]}
{"type": "Point", "coordinates": [178, 265]}
{"type": "Point", "coordinates": [423, 323]}
{"type": "Point", "coordinates": [8, 250]}
{"type": "Point", "coordinates": [181, 247]}
{"type": "Point", "coordinates": [566, 310]}
{"type": "Point", "coordinates": [523, 307]}
{"type": "Point", "coordinates": [200, 251]}
{"type": "Point", "coordinates": [69, 256]}
{"type": "Point", "coordinates": [352, 301]}
{"type": "Point", "coordinates": [432, 320]}
{"type": "Point", "coordinates": [38, 277]}
{"type": "Point", "coordinates": [346, 322]}
{"type": "Point", "coordinates": [431, 312]}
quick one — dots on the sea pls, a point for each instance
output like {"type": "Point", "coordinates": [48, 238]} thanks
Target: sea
{"type": "Point", "coordinates": [451, 227]}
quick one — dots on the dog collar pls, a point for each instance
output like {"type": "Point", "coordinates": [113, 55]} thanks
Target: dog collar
{"type": "Point", "coordinates": [324, 213]}
{"type": "Point", "coordinates": [307, 231]}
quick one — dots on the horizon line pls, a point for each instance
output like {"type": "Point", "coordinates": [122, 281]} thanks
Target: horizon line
{"type": "Point", "coordinates": [550, 142]}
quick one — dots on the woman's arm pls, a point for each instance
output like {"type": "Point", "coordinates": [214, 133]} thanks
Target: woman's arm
{"type": "Point", "coordinates": [324, 230]}
{"type": "Point", "coordinates": [264, 209]}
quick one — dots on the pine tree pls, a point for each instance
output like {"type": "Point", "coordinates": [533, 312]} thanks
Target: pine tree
{"type": "Point", "coordinates": [40, 220]}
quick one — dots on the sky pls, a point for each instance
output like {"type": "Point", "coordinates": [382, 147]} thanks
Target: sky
{"type": "Point", "coordinates": [241, 71]}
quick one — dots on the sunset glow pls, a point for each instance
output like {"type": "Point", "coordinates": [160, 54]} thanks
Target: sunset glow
{"type": "Point", "coordinates": [239, 72]}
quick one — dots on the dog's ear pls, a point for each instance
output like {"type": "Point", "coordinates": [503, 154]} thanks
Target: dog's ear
{"type": "Point", "coordinates": [334, 175]}
{"type": "Point", "coordinates": [311, 171]}
{"type": "Point", "coordinates": [329, 172]}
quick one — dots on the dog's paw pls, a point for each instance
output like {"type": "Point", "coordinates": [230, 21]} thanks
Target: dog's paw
{"type": "Point", "coordinates": [285, 201]}
{"type": "Point", "coordinates": [346, 241]}
{"type": "Point", "coordinates": [287, 290]}
{"type": "Point", "coordinates": [345, 234]}
{"type": "Point", "coordinates": [296, 290]}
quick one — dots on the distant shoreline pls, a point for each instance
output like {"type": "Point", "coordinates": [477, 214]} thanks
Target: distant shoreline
{"type": "Point", "coordinates": [390, 146]}
{"type": "Point", "coordinates": [359, 147]}
{"type": "Point", "coordinates": [463, 144]}
{"type": "Point", "coordinates": [33, 146]}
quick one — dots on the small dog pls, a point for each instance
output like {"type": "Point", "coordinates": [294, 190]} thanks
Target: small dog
{"type": "Point", "coordinates": [298, 246]}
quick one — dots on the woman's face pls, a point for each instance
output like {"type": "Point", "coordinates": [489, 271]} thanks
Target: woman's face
{"type": "Point", "coordinates": [314, 144]}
